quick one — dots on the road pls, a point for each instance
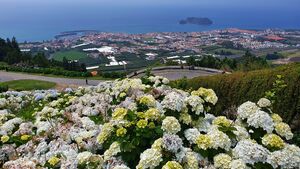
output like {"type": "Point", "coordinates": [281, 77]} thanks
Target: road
{"type": "Point", "coordinates": [170, 74]}
{"type": "Point", "coordinates": [8, 76]}
{"type": "Point", "coordinates": [180, 73]}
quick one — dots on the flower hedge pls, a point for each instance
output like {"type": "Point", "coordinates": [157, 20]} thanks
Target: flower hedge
{"type": "Point", "coordinates": [139, 123]}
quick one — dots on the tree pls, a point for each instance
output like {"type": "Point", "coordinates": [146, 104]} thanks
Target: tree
{"type": "Point", "coordinates": [13, 57]}
{"type": "Point", "coordinates": [65, 63]}
{"type": "Point", "coordinates": [274, 56]}
{"type": "Point", "coordinates": [83, 67]}
{"type": "Point", "coordinates": [191, 61]}
{"type": "Point", "coordinates": [14, 44]}
{"type": "Point", "coordinates": [250, 62]}
{"type": "Point", "coordinates": [41, 60]}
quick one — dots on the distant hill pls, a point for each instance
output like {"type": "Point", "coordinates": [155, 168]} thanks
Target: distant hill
{"type": "Point", "coordinates": [196, 21]}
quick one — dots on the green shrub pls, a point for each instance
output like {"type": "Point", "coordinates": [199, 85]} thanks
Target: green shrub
{"type": "Point", "coordinates": [3, 88]}
{"type": "Point", "coordinates": [237, 88]}
{"type": "Point", "coordinates": [113, 75]}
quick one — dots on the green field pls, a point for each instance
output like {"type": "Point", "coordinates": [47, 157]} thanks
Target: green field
{"type": "Point", "coordinates": [216, 48]}
{"type": "Point", "coordinates": [291, 53]}
{"type": "Point", "coordinates": [233, 51]}
{"type": "Point", "coordinates": [70, 55]}
{"type": "Point", "coordinates": [20, 85]}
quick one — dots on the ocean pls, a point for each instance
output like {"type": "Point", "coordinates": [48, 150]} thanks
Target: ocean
{"type": "Point", "coordinates": [43, 24]}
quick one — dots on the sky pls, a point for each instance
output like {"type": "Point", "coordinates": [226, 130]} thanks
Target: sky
{"type": "Point", "coordinates": [217, 3]}
{"type": "Point", "coordinates": [26, 17]}
{"type": "Point", "coordinates": [21, 7]}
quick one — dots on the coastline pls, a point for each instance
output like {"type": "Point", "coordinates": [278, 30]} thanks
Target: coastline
{"type": "Point", "coordinates": [182, 28]}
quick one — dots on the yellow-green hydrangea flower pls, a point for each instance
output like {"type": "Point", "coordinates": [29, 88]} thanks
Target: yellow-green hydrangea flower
{"type": "Point", "coordinates": [222, 161]}
{"type": "Point", "coordinates": [142, 123]}
{"type": "Point", "coordinates": [25, 137]}
{"type": "Point", "coordinates": [222, 121]}
{"type": "Point", "coordinates": [207, 94]}
{"type": "Point", "coordinates": [204, 142]}
{"type": "Point", "coordinates": [185, 118]}
{"type": "Point", "coordinates": [128, 124]}
{"type": "Point", "coordinates": [151, 125]}
{"type": "Point", "coordinates": [157, 144]}
{"type": "Point", "coordinates": [53, 160]}
{"type": "Point", "coordinates": [105, 133]}
{"type": "Point", "coordinates": [172, 165]}
{"type": "Point", "coordinates": [121, 132]}
{"type": "Point", "coordinates": [119, 113]}
{"type": "Point", "coordinates": [4, 139]}
{"type": "Point", "coordinates": [152, 114]}
{"type": "Point", "coordinates": [284, 130]}
{"type": "Point", "coordinates": [171, 125]}
{"type": "Point", "coordinates": [191, 161]}
{"type": "Point", "coordinates": [148, 100]}
{"type": "Point", "coordinates": [141, 115]}
{"type": "Point", "coordinates": [113, 150]}
{"type": "Point", "coordinates": [273, 141]}
{"type": "Point", "coordinates": [123, 94]}
{"type": "Point", "coordinates": [276, 118]}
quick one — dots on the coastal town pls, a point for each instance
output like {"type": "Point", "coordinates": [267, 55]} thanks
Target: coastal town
{"type": "Point", "coordinates": [102, 49]}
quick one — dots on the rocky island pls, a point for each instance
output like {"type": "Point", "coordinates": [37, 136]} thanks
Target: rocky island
{"type": "Point", "coordinates": [196, 21]}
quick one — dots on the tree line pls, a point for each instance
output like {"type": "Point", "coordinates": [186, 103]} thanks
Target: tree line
{"type": "Point", "coordinates": [246, 63]}
{"type": "Point", "coordinates": [11, 54]}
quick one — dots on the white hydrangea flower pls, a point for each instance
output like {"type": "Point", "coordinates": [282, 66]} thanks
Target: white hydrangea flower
{"type": "Point", "coordinates": [247, 109]}
{"type": "Point", "coordinates": [241, 133]}
{"type": "Point", "coordinates": [261, 119]}
{"type": "Point", "coordinates": [165, 81]}
{"type": "Point", "coordinates": [73, 136]}
{"type": "Point", "coordinates": [150, 158]}
{"type": "Point", "coordinates": [191, 160]}
{"type": "Point", "coordinates": [191, 135]}
{"type": "Point", "coordinates": [289, 157]}
{"type": "Point", "coordinates": [113, 150]}
{"type": "Point", "coordinates": [238, 164]}
{"type": "Point", "coordinates": [152, 79]}
{"type": "Point", "coordinates": [9, 125]}
{"type": "Point", "coordinates": [222, 161]}
{"type": "Point", "coordinates": [204, 124]}
{"type": "Point", "coordinates": [126, 84]}
{"type": "Point", "coordinates": [173, 101]}
{"type": "Point", "coordinates": [219, 139]}
{"type": "Point", "coordinates": [250, 152]}
{"type": "Point", "coordinates": [122, 166]}
{"type": "Point", "coordinates": [263, 102]}
{"type": "Point", "coordinates": [170, 125]}
{"type": "Point", "coordinates": [182, 153]}
{"type": "Point", "coordinates": [19, 163]}
{"type": "Point", "coordinates": [196, 103]}
{"type": "Point", "coordinates": [84, 157]}
{"type": "Point", "coordinates": [284, 130]}
{"type": "Point", "coordinates": [42, 126]}
{"type": "Point", "coordinates": [172, 142]}
{"type": "Point", "coordinates": [87, 123]}
{"type": "Point", "coordinates": [2, 103]}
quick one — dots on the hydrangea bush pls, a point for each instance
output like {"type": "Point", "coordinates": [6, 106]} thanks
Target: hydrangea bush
{"type": "Point", "coordinates": [139, 123]}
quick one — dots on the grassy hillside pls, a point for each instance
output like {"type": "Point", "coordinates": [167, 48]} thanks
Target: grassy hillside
{"type": "Point", "coordinates": [237, 88]}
